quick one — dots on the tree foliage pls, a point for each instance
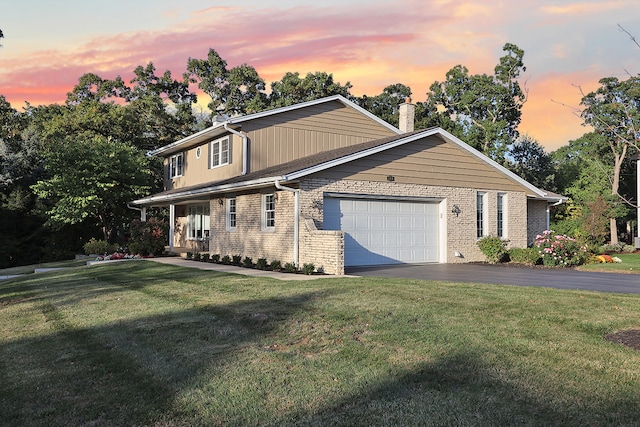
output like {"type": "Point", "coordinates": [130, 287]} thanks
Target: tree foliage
{"type": "Point", "coordinates": [292, 89]}
{"type": "Point", "coordinates": [482, 110]}
{"type": "Point", "coordinates": [105, 176]}
{"type": "Point", "coordinates": [528, 159]}
{"type": "Point", "coordinates": [385, 105]}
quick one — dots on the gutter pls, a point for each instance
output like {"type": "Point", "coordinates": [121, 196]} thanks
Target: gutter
{"type": "Point", "coordinates": [296, 220]}
{"type": "Point", "coordinates": [245, 145]}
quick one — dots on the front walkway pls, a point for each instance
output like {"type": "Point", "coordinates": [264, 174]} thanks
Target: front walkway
{"type": "Point", "coordinates": [182, 262]}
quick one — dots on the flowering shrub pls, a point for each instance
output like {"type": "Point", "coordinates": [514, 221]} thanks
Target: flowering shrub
{"type": "Point", "coordinates": [558, 250]}
{"type": "Point", "coordinates": [116, 256]}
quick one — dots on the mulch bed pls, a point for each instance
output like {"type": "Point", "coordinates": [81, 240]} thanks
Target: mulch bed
{"type": "Point", "coordinates": [630, 338]}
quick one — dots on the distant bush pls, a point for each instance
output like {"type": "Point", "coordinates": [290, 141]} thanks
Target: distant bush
{"type": "Point", "coordinates": [528, 256]}
{"type": "Point", "coordinates": [494, 248]}
{"type": "Point", "coordinates": [97, 247]}
{"type": "Point", "coordinates": [215, 258]}
{"type": "Point", "coordinates": [205, 257]}
{"type": "Point", "coordinates": [226, 259]}
{"type": "Point", "coordinates": [148, 237]}
{"type": "Point", "coordinates": [197, 256]}
{"type": "Point", "coordinates": [308, 268]}
{"type": "Point", "coordinates": [290, 267]}
{"type": "Point", "coordinates": [276, 265]}
{"type": "Point", "coordinates": [236, 259]}
{"type": "Point", "coordinates": [189, 255]}
{"type": "Point", "coordinates": [558, 250]}
{"type": "Point", "coordinates": [247, 262]}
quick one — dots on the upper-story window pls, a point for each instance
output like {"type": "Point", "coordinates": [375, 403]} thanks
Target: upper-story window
{"type": "Point", "coordinates": [176, 165]}
{"type": "Point", "coordinates": [220, 152]}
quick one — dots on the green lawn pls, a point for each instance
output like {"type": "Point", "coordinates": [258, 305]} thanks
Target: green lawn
{"type": "Point", "coordinates": [140, 343]}
{"type": "Point", "coordinates": [630, 264]}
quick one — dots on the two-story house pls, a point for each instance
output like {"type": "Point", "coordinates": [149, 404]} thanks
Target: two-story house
{"type": "Point", "coordinates": [328, 183]}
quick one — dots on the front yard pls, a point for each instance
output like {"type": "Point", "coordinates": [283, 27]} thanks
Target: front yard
{"type": "Point", "coordinates": [140, 343]}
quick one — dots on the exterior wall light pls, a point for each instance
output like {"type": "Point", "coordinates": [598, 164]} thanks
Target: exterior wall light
{"type": "Point", "coordinates": [456, 210]}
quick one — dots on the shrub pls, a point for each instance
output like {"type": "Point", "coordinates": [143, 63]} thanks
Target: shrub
{"type": "Point", "coordinates": [611, 248]}
{"type": "Point", "coordinates": [290, 267]}
{"type": "Point", "coordinates": [189, 255]}
{"type": "Point", "coordinates": [247, 262]}
{"type": "Point", "coordinates": [261, 264]}
{"type": "Point", "coordinates": [148, 237]}
{"type": "Point", "coordinates": [629, 249]}
{"type": "Point", "coordinates": [308, 268]}
{"type": "Point", "coordinates": [558, 250]}
{"type": "Point", "coordinates": [236, 259]}
{"type": "Point", "coordinates": [528, 256]}
{"type": "Point", "coordinates": [215, 258]}
{"type": "Point", "coordinates": [205, 257]}
{"type": "Point", "coordinates": [97, 247]}
{"type": "Point", "coordinates": [226, 259]}
{"type": "Point", "coordinates": [276, 265]}
{"type": "Point", "coordinates": [197, 256]}
{"type": "Point", "coordinates": [494, 248]}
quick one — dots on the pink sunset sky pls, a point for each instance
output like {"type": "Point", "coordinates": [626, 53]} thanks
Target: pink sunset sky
{"type": "Point", "coordinates": [568, 45]}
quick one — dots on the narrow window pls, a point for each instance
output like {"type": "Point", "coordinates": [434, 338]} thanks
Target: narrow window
{"type": "Point", "coordinates": [268, 211]}
{"type": "Point", "coordinates": [220, 152]}
{"type": "Point", "coordinates": [480, 214]}
{"type": "Point", "coordinates": [231, 213]}
{"type": "Point", "coordinates": [198, 222]}
{"type": "Point", "coordinates": [175, 165]}
{"type": "Point", "coordinates": [501, 214]}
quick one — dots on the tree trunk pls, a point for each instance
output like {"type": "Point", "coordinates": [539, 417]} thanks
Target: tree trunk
{"type": "Point", "coordinates": [613, 229]}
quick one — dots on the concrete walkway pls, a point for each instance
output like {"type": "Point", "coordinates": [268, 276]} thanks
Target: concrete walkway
{"type": "Point", "coordinates": [238, 270]}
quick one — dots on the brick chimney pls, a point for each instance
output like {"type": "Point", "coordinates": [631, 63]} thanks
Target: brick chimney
{"type": "Point", "coordinates": [407, 116]}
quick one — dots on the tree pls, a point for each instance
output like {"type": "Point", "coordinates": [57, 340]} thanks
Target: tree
{"type": "Point", "coordinates": [105, 176]}
{"type": "Point", "coordinates": [385, 105]}
{"type": "Point", "coordinates": [234, 91]}
{"type": "Point", "coordinates": [484, 110]}
{"type": "Point", "coordinates": [528, 159]}
{"type": "Point", "coordinates": [613, 111]}
{"type": "Point", "coordinates": [292, 89]}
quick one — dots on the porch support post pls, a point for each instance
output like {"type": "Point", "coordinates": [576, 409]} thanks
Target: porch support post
{"type": "Point", "coordinates": [172, 225]}
{"type": "Point", "coordinates": [143, 214]}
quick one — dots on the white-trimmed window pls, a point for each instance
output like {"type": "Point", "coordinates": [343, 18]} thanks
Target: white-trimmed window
{"type": "Point", "coordinates": [231, 213]}
{"type": "Point", "coordinates": [176, 165]}
{"type": "Point", "coordinates": [198, 222]}
{"type": "Point", "coordinates": [481, 214]}
{"type": "Point", "coordinates": [268, 211]}
{"type": "Point", "coordinates": [219, 152]}
{"type": "Point", "coordinates": [502, 214]}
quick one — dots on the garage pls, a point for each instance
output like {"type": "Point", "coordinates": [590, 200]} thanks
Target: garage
{"type": "Point", "coordinates": [381, 232]}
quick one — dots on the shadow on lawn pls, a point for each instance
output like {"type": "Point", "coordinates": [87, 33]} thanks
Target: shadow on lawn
{"type": "Point", "coordinates": [130, 372]}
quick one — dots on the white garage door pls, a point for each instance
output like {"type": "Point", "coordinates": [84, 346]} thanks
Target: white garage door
{"type": "Point", "coordinates": [384, 231]}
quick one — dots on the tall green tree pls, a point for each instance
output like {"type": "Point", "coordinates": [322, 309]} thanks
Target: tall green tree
{"type": "Point", "coordinates": [292, 89]}
{"type": "Point", "coordinates": [385, 105]}
{"type": "Point", "coordinates": [105, 176]}
{"type": "Point", "coordinates": [483, 110]}
{"type": "Point", "coordinates": [233, 91]}
{"type": "Point", "coordinates": [528, 159]}
{"type": "Point", "coordinates": [613, 111]}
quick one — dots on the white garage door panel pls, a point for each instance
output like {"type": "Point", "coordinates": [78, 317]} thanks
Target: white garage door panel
{"type": "Point", "coordinates": [384, 231]}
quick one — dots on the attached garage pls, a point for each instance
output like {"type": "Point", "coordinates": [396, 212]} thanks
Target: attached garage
{"type": "Point", "coordinates": [384, 231]}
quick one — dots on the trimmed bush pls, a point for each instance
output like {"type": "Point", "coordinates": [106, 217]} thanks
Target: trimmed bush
{"type": "Point", "coordinates": [494, 248]}
{"type": "Point", "coordinates": [215, 258]}
{"type": "Point", "coordinates": [247, 262]}
{"type": "Point", "coordinates": [97, 247]}
{"type": "Point", "coordinates": [290, 267]}
{"type": "Point", "coordinates": [308, 268]}
{"type": "Point", "coordinates": [236, 259]}
{"type": "Point", "coordinates": [205, 257]}
{"type": "Point", "coordinates": [197, 256]}
{"type": "Point", "coordinates": [226, 259]}
{"type": "Point", "coordinates": [261, 264]}
{"type": "Point", "coordinates": [276, 265]}
{"type": "Point", "coordinates": [189, 255]}
{"type": "Point", "coordinates": [528, 256]}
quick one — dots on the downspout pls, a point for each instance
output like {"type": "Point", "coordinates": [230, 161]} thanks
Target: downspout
{"type": "Point", "coordinates": [245, 144]}
{"type": "Point", "coordinates": [549, 206]}
{"type": "Point", "coordinates": [296, 220]}
{"type": "Point", "coordinates": [143, 212]}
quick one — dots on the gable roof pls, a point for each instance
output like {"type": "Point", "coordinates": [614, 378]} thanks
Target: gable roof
{"type": "Point", "coordinates": [218, 129]}
{"type": "Point", "coordinates": [305, 166]}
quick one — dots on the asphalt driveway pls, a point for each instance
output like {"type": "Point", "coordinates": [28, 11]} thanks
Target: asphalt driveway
{"type": "Point", "coordinates": [507, 275]}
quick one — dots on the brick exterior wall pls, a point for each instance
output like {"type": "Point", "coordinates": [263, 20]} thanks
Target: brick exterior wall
{"type": "Point", "coordinates": [325, 248]}
{"type": "Point", "coordinates": [537, 221]}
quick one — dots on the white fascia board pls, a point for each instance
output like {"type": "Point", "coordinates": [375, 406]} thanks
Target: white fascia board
{"type": "Point", "coordinates": [293, 107]}
{"type": "Point", "coordinates": [262, 182]}
{"type": "Point", "coordinates": [201, 136]}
